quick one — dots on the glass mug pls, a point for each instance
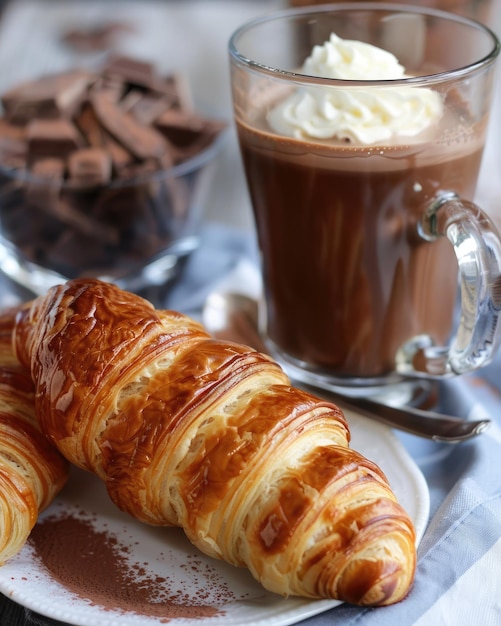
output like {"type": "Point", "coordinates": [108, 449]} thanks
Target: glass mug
{"type": "Point", "coordinates": [361, 243]}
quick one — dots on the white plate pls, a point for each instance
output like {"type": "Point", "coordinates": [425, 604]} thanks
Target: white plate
{"type": "Point", "coordinates": [232, 593]}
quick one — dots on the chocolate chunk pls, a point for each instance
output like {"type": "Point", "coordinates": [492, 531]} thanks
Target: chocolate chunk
{"type": "Point", "coordinates": [146, 108]}
{"type": "Point", "coordinates": [13, 145]}
{"type": "Point", "coordinates": [89, 166]}
{"type": "Point", "coordinates": [143, 141]}
{"type": "Point", "coordinates": [120, 157]}
{"type": "Point", "coordinates": [55, 138]}
{"type": "Point", "coordinates": [11, 131]}
{"type": "Point", "coordinates": [13, 152]}
{"type": "Point", "coordinates": [52, 170]}
{"type": "Point", "coordinates": [187, 132]}
{"type": "Point", "coordinates": [140, 169]}
{"type": "Point", "coordinates": [180, 128]}
{"type": "Point", "coordinates": [47, 97]}
{"type": "Point", "coordinates": [45, 192]}
{"type": "Point", "coordinates": [176, 87]}
{"type": "Point", "coordinates": [89, 126]}
{"type": "Point", "coordinates": [98, 137]}
{"type": "Point", "coordinates": [130, 99]}
{"type": "Point", "coordinates": [72, 211]}
{"type": "Point", "coordinates": [98, 38]}
{"type": "Point", "coordinates": [132, 71]}
{"type": "Point", "coordinates": [76, 254]}
{"type": "Point", "coordinates": [114, 87]}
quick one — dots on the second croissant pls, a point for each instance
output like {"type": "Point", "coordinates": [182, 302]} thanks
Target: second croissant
{"type": "Point", "coordinates": [32, 472]}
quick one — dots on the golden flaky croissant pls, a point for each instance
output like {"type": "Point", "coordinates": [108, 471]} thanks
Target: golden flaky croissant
{"type": "Point", "coordinates": [31, 470]}
{"type": "Point", "coordinates": [190, 431]}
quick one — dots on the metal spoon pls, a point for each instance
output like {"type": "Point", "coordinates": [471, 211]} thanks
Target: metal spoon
{"type": "Point", "coordinates": [233, 317]}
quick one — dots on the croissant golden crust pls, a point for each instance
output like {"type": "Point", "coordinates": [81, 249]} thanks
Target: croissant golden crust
{"type": "Point", "coordinates": [31, 471]}
{"type": "Point", "coordinates": [209, 435]}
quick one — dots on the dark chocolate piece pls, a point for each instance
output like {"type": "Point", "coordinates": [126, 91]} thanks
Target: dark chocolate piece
{"type": "Point", "coordinates": [188, 133]}
{"type": "Point", "coordinates": [144, 142]}
{"type": "Point", "coordinates": [52, 138]}
{"type": "Point", "coordinates": [13, 145]}
{"type": "Point", "coordinates": [44, 190]}
{"type": "Point", "coordinates": [132, 71]}
{"type": "Point", "coordinates": [75, 254]}
{"type": "Point", "coordinates": [89, 166]}
{"type": "Point", "coordinates": [89, 126]}
{"type": "Point", "coordinates": [97, 38]}
{"type": "Point", "coordinates": [120, 157]}
{"type": "Point", "coordinates": [50, 169]}
{"type": "Point", "coordinates": [146, 108]}
{"type": "Point", "coordinates": [180, 128]}
{"type": "Point", "coordinates": [11, 131]}
{"type": "Point", "coordinates": [48, 97]}
{"type": "Point", "coordinates": [114, 87]}
{"type": "Point", "coordinates": [176, 87]}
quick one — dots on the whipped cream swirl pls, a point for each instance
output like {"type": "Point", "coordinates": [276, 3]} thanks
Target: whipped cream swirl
{"type": "Point", "coordinates": [358, 114]}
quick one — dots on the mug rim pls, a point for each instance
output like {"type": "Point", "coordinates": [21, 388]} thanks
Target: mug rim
{"type": "Point", "coordinates": [320, 10]}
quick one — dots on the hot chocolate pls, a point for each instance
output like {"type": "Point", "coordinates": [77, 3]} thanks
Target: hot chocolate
{"type": "Point", "coordinates": [361, 155]}
{"type": "Point", "coordinates": [348, 279]}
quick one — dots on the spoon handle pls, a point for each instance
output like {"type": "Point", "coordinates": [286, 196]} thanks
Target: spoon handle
{"type": "Point", "coordinates": [423, 423]}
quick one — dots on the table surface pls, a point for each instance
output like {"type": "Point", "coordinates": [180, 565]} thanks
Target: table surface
{"type": "Point", "coordinates": [190, 27]}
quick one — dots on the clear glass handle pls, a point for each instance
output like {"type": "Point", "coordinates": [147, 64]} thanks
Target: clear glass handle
{"type": "Point", "coordinates": [478, 251]}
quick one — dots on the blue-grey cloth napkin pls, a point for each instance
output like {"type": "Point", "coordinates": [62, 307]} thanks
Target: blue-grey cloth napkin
{"type": "Point", "coordinates": [458, 578]}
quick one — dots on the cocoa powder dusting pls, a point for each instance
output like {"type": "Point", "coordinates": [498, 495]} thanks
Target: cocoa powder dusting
{"type": "Point", "coordinates": [95, 566]}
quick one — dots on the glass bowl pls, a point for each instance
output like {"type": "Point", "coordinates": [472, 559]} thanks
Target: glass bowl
{"type": "Point", "coordinates": [134, 231]}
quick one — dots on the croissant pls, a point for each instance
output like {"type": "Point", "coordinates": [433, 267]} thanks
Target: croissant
{"type": "Point", "coordinates": [210, 436]}
{"type": "Point", "coordinates": [31, 470]}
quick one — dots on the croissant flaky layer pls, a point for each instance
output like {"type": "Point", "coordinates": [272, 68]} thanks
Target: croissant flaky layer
{"type": "Point", "coordinates": [208, 435]}
{"type": "Point", "coordinates": [31, 470]}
